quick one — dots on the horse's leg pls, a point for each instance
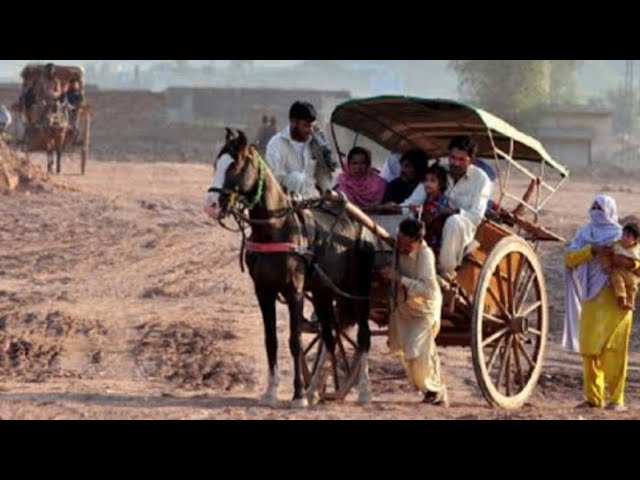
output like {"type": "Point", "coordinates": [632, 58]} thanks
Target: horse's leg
{"type": "Point", "coordinates": [58, 159]}
{"type": "Point", "coordinates": [364, 345]}
{"type": "Point", "coordinates": [295, 301]}
{"type": "Point", "coordinates": [49, 161]}
{"type": "Point", "coordinates": [267, 300]}
{"type": "Point", "coordinates": [363, 287]}
{"type": "Point", "coordinates": [323, 306]}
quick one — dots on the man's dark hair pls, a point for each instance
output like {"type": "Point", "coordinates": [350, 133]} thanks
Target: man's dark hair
{"type": "Point", "coordinates": [412, 228]}
{"type": "Point", "coordinates": [265, 119]}
{"type": "Point", "coordinates": [419, 160]}
{"type": "Point", "coordinates": [359, 151]}
{"type": "Point", "coordinates": [464, 142]}
{"type": "Point", "coordinates": [440, 173]}
{"type": "Point", "coordinates": [302, 111]}
{"type": "Point", "coordinates": [632, 229]}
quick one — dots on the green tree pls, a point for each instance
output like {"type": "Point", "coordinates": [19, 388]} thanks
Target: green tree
{"type": "Point", "coordinates": [511, 89]}
{"type": "Point", "coordinates": [517, 90]}
{"type": "Point", "coordinates": [563, 81]}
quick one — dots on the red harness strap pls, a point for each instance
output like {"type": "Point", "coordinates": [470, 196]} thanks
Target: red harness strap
{"type": "Point", "coordinates": [271, 247]}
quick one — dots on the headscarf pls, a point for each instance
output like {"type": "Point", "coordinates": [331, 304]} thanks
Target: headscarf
{"type": "Point", "coordinates": [364, 191]}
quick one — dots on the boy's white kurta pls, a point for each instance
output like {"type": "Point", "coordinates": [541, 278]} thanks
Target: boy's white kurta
{"type": "Point", "coordinates": [415, 320]}
{"type": "Point", "coordinates": [292, 163]}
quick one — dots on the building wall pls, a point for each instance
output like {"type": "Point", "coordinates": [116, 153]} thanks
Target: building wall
{"type": "Point", "coordinates": [569, 152]}
{"type": "Point", "coordinates": [238, 107]}
{"type": "Point", "coordinates": [601, 125]}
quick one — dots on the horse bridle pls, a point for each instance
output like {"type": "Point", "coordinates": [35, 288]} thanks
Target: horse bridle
{"type": "Point", "coordinates": [238, 198]}
{"type": "Point", "coordinates": [238, 201]}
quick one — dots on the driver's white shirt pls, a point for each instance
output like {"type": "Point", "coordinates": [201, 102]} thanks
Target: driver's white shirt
{"type": "Point", "coordinates": [292, 163]}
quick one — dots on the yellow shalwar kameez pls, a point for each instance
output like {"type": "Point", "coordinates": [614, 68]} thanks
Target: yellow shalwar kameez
{"type": "Point", "coordinates": [604, 332]}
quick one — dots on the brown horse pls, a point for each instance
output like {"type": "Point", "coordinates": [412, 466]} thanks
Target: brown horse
{"type": "Point", "coordinates": [292, 250]}
{"type": "Point", "coordinates": [50, 135]}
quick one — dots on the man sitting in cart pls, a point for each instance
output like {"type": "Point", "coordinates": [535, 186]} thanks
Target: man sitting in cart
{"type": "Point", "coordinates": [27, 98]}
{"type": "Point", "coordinates": [73, 99]}
{"type": "Point", "coordinates": [413, 165]}
{"type": "Point", "coordinates": [48, 91]}
{"type": "Point", "coordinates": [468, 194]}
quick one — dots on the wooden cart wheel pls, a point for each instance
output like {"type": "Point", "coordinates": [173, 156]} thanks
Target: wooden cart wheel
{"type": "Point", "coordinates": [341, 372]}
{"type": "Point", "coordinates": [509, 324]}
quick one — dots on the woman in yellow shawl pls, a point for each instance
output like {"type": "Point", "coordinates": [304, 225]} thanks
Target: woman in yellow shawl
{"type": "Point", "coordinates": [603, 328]}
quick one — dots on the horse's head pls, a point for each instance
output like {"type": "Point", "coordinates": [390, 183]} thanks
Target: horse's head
{"type": "Point", "coordinates": [237, 174]}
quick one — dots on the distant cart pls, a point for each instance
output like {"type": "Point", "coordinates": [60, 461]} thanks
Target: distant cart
{"type": "Point", "coordinates": [38, 130]}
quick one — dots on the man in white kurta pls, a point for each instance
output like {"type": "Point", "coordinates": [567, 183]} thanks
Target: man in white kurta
{"type": "Point", "coordinates": [468, 193]}
{"type": "Point", "coordinates": [468, 198]}
{"type": "Point", "coordinates": [415, 319]}
{"type": "Point", "coordinates": [289, 153]}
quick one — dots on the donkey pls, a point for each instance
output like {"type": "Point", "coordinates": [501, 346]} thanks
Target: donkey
{"type": "Point", "coordinates": [287, 250]}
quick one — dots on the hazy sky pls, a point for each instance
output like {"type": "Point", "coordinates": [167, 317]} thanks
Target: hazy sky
{"type": "Point", "coordinates": [594, 78]}
{"type": "Point", "coordinates": [11, 68]}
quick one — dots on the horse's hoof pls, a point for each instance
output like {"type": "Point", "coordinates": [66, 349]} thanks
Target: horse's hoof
{"type": "Point", "coordinates": [268, 400]}
{"type": "Point", "coordinates": [299, 403]}
{"type": "Point", "coordinates": [313, 398]}
{"type": "Point", "coordinates": [364, 399]}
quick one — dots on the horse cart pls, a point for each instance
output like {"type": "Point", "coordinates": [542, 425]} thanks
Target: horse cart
{"type": "Point", "coordinates": [498, 306]}
{"type": "Point", "coordinates": [39, 126]}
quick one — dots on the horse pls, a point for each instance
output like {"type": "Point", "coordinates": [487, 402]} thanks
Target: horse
{"type": "Point", "coordinates": [48, 135]}
{"type": "Point", "coordinates": [293, 249]}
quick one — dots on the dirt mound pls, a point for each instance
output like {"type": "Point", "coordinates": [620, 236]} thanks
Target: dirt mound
{"type": "Point", "coordinates": [53, 324]}
{"type": "Point", "coordinates": [192, 357]}
{"type": "Point", "coordinates": [32, 360]}
{"type": "Point", "coordinates": [34, 346]}
{"type": "Point", "coordinates": [24, 351]}
{"type": "Point", "coordinates": [18, 174]}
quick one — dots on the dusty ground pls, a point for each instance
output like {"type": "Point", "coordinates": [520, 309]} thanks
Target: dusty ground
{"type": "Point", "coordinates": [120, 300]}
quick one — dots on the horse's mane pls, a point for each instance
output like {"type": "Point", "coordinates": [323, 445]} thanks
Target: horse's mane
{"type": "Point", "coordinates": [253, 152]}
